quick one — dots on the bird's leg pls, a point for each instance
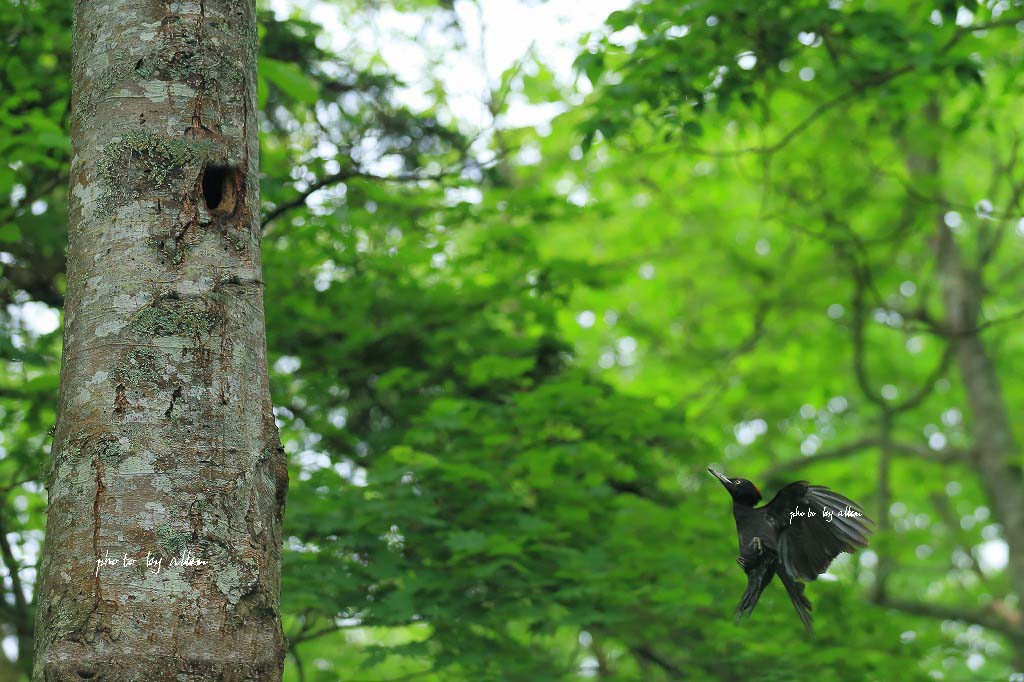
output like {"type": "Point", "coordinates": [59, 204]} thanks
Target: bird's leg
{"type": "Point", "coordinates": [756, 543]}
{"type": "Point", "coordinates": [741, 561]}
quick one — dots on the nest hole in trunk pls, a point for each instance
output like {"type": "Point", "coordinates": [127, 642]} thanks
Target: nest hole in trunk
{"type": "Point", "coordinates": [220, 184]}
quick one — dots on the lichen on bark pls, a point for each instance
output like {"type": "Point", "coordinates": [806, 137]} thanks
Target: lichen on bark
{"type": "Point", "coordinates": [175, 317]}
{"type": "Point", "coordinates": [139, 163]}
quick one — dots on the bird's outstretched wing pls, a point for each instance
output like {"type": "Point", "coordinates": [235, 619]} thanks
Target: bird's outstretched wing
{"type": "Point", "coordinates": [758, 578]}
{"type": "Point", "coordinates": [808, 543]}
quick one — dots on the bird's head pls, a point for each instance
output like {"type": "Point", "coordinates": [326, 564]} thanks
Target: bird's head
{"type": "Point", "coordinates": [742, 490]}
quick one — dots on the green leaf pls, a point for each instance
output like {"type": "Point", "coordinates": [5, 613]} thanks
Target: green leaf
{"type": "Point", "coordinates": [290, 79]}
{"type": "Point", "coordinates": [54, 140]}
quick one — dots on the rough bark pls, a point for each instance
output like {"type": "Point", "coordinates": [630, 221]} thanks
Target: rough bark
{"type": "Point", "coordinates": [165, 440]}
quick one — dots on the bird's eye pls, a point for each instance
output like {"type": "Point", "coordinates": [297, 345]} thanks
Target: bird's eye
{"type": "Point", "coordinates": [736, 481]}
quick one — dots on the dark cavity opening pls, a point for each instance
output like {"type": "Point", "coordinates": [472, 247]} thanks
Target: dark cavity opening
{"type": "Point", "coordinates": [219, 188]}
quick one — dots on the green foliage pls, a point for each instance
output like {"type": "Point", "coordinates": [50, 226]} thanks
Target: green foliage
{"type": "Point", "coordinates": [441, 484]}
{"type": "Point", "coordinates": [504, 357]}
{"type": "Point", "coordinates": [739, 59]}
{"type": "Point", "coordinates": [289, 79]}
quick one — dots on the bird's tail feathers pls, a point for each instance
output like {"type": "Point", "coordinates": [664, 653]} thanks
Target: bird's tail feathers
{"type": "Point", "coordinates": [757, 580]}
{"type": "Point", "coordinates": [801, 603]}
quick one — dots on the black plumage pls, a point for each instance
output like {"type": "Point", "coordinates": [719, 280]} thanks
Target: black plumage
{"type": "Point", "coordinates": [795, 536]}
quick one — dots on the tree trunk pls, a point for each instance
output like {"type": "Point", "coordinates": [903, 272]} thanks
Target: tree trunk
{"type": "Point", "coordinates": [994, 450]}
{"type": "Point", "coordinates": [165, 442]}
{"type": "Point", "coordinates": [994, 453]}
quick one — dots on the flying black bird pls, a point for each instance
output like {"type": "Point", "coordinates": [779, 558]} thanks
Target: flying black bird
{"type": "Point", "coordinates": [796, 535]}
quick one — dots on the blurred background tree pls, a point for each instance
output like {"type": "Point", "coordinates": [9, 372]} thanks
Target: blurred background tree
{"type": "Point", "coordinates": [510, 329]}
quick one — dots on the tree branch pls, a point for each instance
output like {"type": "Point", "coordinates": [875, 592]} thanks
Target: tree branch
{"type": "Point", "coordinates": [911, 450]}
{"type": "Point", "coordinates": [859, 366]}
{"type": "Point", "coordinates": [299, 668]}
{"type": "Point", "coordinates": [314, 634]}
{"type": "Point", "coordinates": [339, 177]}
{"type": "Point", "coordinates": [928, 385]}
{"type": "Point", "coordinates": [645, 653]}
{"type": "Point", "coordinates": [989, 617]}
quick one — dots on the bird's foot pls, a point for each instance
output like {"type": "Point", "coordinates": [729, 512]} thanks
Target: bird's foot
{"type": "Point", "coordinates": [741, 561]}
{"type": "Point", "coordinates": [756, 543]}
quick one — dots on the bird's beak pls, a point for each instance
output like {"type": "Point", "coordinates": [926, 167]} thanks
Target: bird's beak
{"type": "Point", "coordinates": [721, 477]}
